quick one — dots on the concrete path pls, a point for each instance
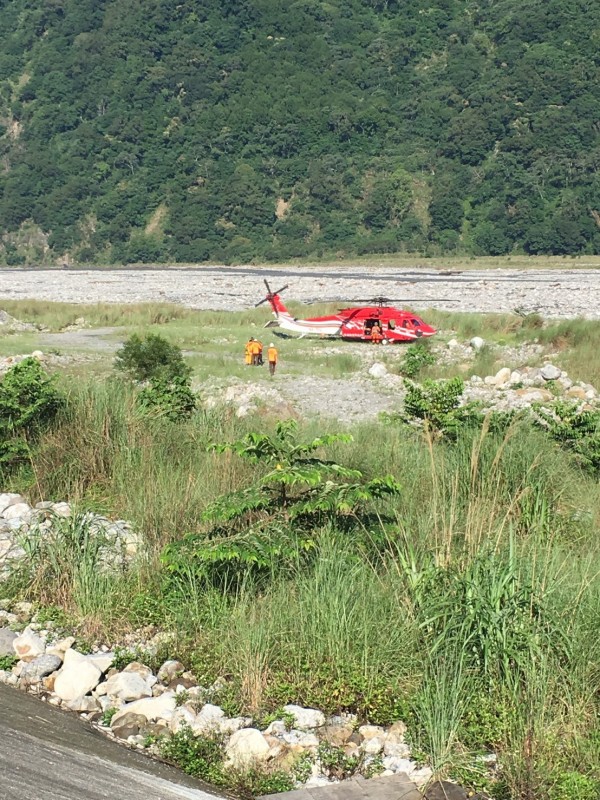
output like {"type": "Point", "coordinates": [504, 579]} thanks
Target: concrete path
{"type": "Point", "coordinates": [394, 787]}
{"type": "Point", "coordinates": [46, 754]}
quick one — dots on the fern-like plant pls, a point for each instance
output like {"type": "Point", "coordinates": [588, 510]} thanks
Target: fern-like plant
{"type": "Point", "coordinates": [279, 515]}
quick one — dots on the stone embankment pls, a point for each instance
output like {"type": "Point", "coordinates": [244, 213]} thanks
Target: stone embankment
{"type": "Point", "coordinates": [131, 703]}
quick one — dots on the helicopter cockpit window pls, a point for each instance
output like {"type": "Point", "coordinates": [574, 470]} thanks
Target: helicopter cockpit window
{"type": "Point", "coordinates": [416, 323]}
{"type": "Point", "coordinates": [406, 324]}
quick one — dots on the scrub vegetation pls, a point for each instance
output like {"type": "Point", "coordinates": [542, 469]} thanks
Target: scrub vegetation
{"type": "Point", "coordinates": [443, 570]}
{"type": "Point", "coordinates": [264, 131]}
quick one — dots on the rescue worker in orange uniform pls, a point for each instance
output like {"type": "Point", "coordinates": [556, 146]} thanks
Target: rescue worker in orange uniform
{"type": "Point", "coordinates": [248, 352]}
{"type": "Point", "coordinates": [272, 356]}
{"type": "Point", "coordinates": [376, 334]}
{"type": "Point", "coordinates": [260, 353]}
{"type": "Point", "coordinates": [255, 350]}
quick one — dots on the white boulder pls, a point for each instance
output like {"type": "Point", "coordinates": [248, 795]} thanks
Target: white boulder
{"type": "Point", "coordinates": [378, 370]}
{"type": "Point", "coordinates": [77, 677]}
{"type": "Point", "coordinates": [477, 343]}
{"type": "Point", "coordinates": [246, 747]}
{"type": "Point", "coordinates": [182, 716]}
{"type": "Point", "coordinates": [502, 377]}
{"type": "Point", "coordinates": [153, 708]}
{"type": "Point", "coordinates": [208, 719]}
{"type": "Point", "coordinates": [8, 499]}
{"type": "Point", "coordinates": [127, 686]}
{"type": "Point", "coordinates": [28, 645]}
{"type": "Point", "coordinates": [306, 719]}
{"type": "Point", "coordinates": [21, 510]}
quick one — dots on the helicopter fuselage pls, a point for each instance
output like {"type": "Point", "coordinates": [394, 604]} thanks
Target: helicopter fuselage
{"type": "Point", "coordinates": [357, 323]}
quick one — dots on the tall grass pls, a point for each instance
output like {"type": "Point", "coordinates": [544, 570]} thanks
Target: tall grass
{"type": "Point", "coordinates": [471, 609]}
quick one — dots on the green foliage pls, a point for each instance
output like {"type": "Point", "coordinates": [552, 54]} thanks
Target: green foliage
{"type": "Point", "coordinates": [170, 398]}
{"type": "Point", "coordinates": [29, 402]}
{"type": "Point", "coordinates": [151, 357]}
{"type": "Point", "coordinates": [7, 662]}
{"type": "Point", "coordinates": [438, 403]}
{"type": "Point", "coordinates": [276, 519]}
{"type": "Point", "coordinates": [204, 758]}
{"type": "Point", "coordinates": [199, 756]}
{"type": "Point", "coordinates": [108, 715]}
{"type": "Point", "coordinates": [391, 128]}
{"type": "Point", "coordinates": [575, 786]}
{"type": "Point", "coordinates": [417, 357]}
{"type": "Point", "coordinates": [574, 428]}
{"type": "Point", "coordinates": [491, 608]}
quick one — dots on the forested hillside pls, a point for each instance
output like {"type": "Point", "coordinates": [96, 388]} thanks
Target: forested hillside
{"type": "Point", "coordinates": [143, 130]}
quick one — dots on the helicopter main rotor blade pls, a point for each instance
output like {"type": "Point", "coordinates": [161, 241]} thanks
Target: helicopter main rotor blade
{"type": "Point", "coordinates": [397, 300]}
{"type": "Point", "coordinates": [270, 294]}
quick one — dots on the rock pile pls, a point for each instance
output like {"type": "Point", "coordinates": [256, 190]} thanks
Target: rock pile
{"type": "Point", "coordinates": [10, 361]}
{"type": "Point", "coordinates": [9, 324]}
{"type": "Point", "coordinates": [247, 398]}
{"type": "Point", "coordinates": [508, 389]}
{"type": "Point", "coordinates": [22, 527]}
{"type": "Point", "coordinates": [132, 703]}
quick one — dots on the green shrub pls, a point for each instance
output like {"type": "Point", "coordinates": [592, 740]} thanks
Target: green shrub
{"type": "Point", "coordinates": [7, 662]}
{"type": "Point", "coordinates": [199, 756]}
{"type": "Point", "coordinates": [438, 404]}
{"type": "Point", "coordinates": [29, 402]}
{"type": "Point", "coordinates": [576, 429]}
{"type": "Point", "coordinates": [277, 517]}
{"type": "Point", "coordinates": [149, 357]}
{"type": "Point", "coordinates": [417, 357]}
{"type": "Point", "coordinates": [171, 398]}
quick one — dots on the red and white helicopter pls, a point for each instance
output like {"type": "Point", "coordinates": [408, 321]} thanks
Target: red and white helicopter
{"type": "Point", "coordinates": [357, 323]}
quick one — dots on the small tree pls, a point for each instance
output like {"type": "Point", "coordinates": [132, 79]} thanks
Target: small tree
{"type": "Point", "coordinates": [281, 512]}
{"type": "Point", "coordinates": [151, 356]}
{"type": "Point", "coordinates": [156, 361]}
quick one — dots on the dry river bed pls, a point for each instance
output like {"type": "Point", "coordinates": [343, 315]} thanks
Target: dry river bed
{"type": "Point", "coordinates": [552, 293]}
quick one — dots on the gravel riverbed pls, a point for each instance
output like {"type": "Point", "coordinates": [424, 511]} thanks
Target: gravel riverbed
{"type": "Point", "coordinates": [552, 293]}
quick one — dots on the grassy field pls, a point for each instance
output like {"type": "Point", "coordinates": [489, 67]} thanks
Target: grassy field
{"type": "Point", "coordinates": [214, 340]}
{"type": "Point", "coordinates": [468, 605]}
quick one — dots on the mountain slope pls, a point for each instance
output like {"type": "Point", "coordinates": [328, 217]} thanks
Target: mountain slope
{"type": "Point", "coordinates": [140, 131]}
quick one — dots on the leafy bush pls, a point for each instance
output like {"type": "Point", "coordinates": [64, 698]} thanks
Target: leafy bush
{"type": "Point", "coordinates": [171, 398]}
{"type": "Point", "coordinates": [199, 756]}
{"type": "Point", "coordinates": [417, 357]}
{"type": "Point", "coordinates": [438, 404]}
{"type": "Point", "coordinates": [29, 402]}
{"type": "Point", "coordinates": [151, 357]}
{"type": "Point", "coordinates": [577, 429]}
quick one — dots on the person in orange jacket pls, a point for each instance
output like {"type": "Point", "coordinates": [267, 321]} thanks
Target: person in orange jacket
{"type": "Point", "coordinates": [248, 352]}
{"type": "Point", "coordinates": [376, 334]}
{"type": "Point", "coordinates": [272, 355]}
{"type": "Point", "coordinates": [260, 353]}
{"type": "Point", "coordinates": [255, 349]}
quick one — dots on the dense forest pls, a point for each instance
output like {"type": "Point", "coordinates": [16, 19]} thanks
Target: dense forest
{"type": "Point", "coordinates": [153, 130]}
